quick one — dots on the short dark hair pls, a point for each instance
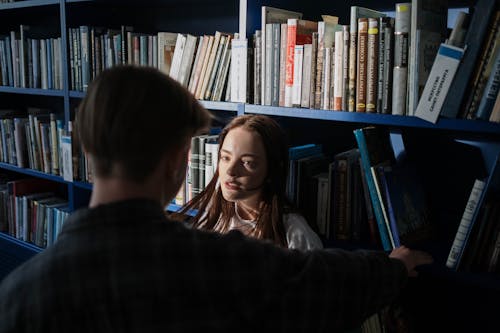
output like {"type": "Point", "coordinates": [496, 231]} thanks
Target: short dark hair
{"type": "Point", "coordinates": [131, 116]}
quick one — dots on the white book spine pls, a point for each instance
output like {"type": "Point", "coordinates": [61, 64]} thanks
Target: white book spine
{"type": "Point", "coordinates": [297, 75]}
{"type": "Point", "coordinates": [338, 86]}
{"type": "Point", "coordinates": [457, 248]}
{"type": "Point", "coordinates": [239, 70]}
{"type": "Point", "coordinates": [177, 58]}
{"type": "Point", "coordinates": [306, 76]}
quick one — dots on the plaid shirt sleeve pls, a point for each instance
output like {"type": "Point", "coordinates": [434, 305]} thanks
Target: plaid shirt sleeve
{"type": "Point", "coordinates": [124, 268]}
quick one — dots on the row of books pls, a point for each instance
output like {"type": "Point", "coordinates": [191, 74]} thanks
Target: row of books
{"type": "Point", "coordinates": [328, 191]}
{"type": "Point", "coordinates": [374, 63]}
{"type": "Point", "coordinates": [402, 209]}
{"type": "Point", "coordinates": [398, 200]}
{"type": "Point", "coordinates": [32, 211]}
{"type": "Point", "coordinates": [483, 101]}
{"type": "Point", "coordinates": [31, 139]}
{"type": "Point", "coordinates": [362, 66]}
{"type": "Point", "coordinates": [200, 63]}
{"type": "Point", "coordinates": [30, 62]}
{"type": "Point", "coordinates": [202, 165]}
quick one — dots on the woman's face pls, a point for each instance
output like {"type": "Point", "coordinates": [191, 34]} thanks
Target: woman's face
{"type": "Point", "coordinates": [242, 166]}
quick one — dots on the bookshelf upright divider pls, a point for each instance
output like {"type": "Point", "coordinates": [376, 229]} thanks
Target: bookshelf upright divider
{"type": "Point", "coordinates": [112, 21]}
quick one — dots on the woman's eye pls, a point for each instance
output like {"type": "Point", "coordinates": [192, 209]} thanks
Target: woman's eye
{"type": "Point", "coordinates": [224, 158]}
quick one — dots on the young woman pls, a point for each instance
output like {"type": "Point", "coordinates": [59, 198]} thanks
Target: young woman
{"type": "Point", "coordinates": [247, 192]}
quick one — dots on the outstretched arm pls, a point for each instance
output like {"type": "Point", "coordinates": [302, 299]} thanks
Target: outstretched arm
{"type": "Point", "coordinates": [411, 258]}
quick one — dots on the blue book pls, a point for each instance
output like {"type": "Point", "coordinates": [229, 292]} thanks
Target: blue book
{"type": "Point", "coordinates": [381, 173]}
{"type": "Point", "coordinates": [50, 83]}
{"type": "Point", "coordinates": [375, 147]}
{"type": "Point", "coordinates": [294, 154]}
{"type": "Point", "coordinates": [8, 50]}
{"type": "Point", "coordinates": [408, 204]}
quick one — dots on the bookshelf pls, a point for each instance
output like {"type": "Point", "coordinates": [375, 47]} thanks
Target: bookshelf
{"type": "Point", "coordinates": [333, 128]}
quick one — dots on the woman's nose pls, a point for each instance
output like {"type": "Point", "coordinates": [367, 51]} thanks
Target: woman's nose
{"type": "Point", "coordinates": [232, 169]}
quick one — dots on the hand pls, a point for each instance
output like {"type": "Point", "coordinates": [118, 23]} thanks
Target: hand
{"type": "Point", "coordinates": [411, 258]}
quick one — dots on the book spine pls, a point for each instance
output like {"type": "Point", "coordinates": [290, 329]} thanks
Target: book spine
{"type": "Point", "coordinates": [325, 99]}
{"type": "Point", "coordinates": [361, 64]}
{"type": "Point", "coordinates": [388, 69]}
{"type": "Point", "coordinates": [290, 53]}
{"type": "Point", "coordinates": [275, 75]}
{"type": "Point", "coordinates": [257, 68]}
{"type": "Point", "coordinates": [365, 162]}
{"type": "Point", "coordinates": [338, 87]}
{"type": "Point", "coordinates": [269, 65]}
{"type": "Point", "coordinates": [400, 73]}
{"type": "Point", "coordinates": [314, 56]}
{"type": "Point", "coordinates": [459, 243]}
{"type": "Point", "coordinates": [306, 76]}
{"type": "Point", "coordinates": [372, 66]}
{"type": "Point", "coordinates": [490, 91]}
{"type": "Point", "coordinates": [297, 75]}
{"type": "Point", "coordinates": [345, 67]}
{"type": "Point", "coordinates": [282, 72]}
{"type": "Point", "coordinates": [353, 54]}
{"type": "Point", "coordinates": [319, 66]}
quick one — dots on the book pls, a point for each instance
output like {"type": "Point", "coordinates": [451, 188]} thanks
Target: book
{"type": "Point", "coordinates": [457, 35]}
{"type": "Point", "coordinates": [375, 147]}
{"type": "Point", "coordinates": [490, 91]}
{"type": "Point", "coordinates": [238, 72]}
{"type": "Point", "coordinates": [402, 26]}
{"type": "Point", "coordinates": [356, 13]}
{"type": "Point", "coordinates": [338, 78]}
{"type": "Point", "coordinates": [407, 203]}
{"type": "Point", "coordinates": [297, 75]}
{"type": "Point", "coordinates": [495, 112]}
{"type": "Point", "coordinates": [439, 82]}
{"type": "Point", "coordinates": [166, 49]}
{"type": "Point", "coordinates": [294, 154]}
{"type": "Point", "coordinates": [299, 33]}
{"type": "Point", "coordinates": [483, 71]}
{"type": "Point", "coordinates": [386, 89]}
{"type": "Point", "coordinates": [486, 77]}
{"type": "Point", "coordinates": [271, 15]}
{"type": "Point", "coordinates": [428, 30]}
{"type": "Point", "coordinates": [372, 65]}
{"type": "Point", "coordinates": [326, 36]}
{"type": "Point", "coordinates": [322, 200]}
{"type": "Point", "coordinates": [466, 223]}
{"type": "Point", "coordinates": [175, 66]}
{"type": "Point", "coordinates": [479, 240]}
{"type": "Point", "coordinates": [478, 27]}
{"type": "Point", "coordinates": [361, 64]}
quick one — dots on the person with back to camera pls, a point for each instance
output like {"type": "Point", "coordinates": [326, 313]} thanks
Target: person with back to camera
{"type": "Point", "coordinates": [247, 192]}
{"type": "Point", "coordinates": [120, 265]}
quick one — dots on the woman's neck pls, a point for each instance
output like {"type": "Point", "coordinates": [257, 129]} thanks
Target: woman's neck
{"type": "Point", "coordinates": [246, 211]}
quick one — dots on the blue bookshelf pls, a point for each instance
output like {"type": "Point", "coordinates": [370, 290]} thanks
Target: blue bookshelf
{"type": "Point", "coordinates": [458, 125]}
{"type": "Point", "coordinates": [31, 172]}
{"type": "Point", "coordinates": [14, 252]}
{"type": "Point", "coordinates": [28, 4]}
{"type": "Point", "coordinates": [32, 91]}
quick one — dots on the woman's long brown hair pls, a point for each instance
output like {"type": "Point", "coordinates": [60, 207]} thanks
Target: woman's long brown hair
{"type": "Point", "coordinates": [212, 206]}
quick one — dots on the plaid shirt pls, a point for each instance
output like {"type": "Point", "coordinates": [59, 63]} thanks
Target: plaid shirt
{"type": "Point", "coordinates": [123, 267]}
